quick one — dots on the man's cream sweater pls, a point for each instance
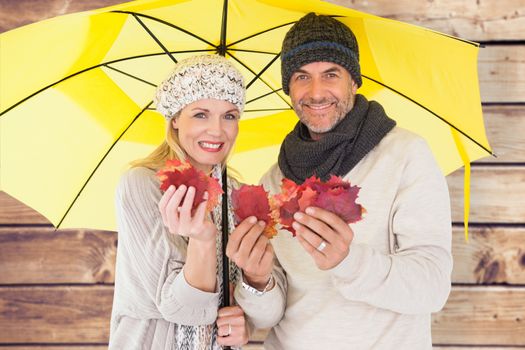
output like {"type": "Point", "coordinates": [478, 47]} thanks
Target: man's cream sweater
{"type": "Point", "coordinates": [397, 271]}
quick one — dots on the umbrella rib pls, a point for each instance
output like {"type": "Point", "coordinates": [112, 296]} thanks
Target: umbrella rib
{"type": "Point", "coordinates": [260, 33]}
{"type": "Point", "coordinates": [88, 69]}
{"type": "Point", "coordinates": [268, 109]}
{"type": "Point", "coordinates": [101, 160]}
{"type": "Point", "coordinates": [256, 51]}
{"type": "Point", "coordinates": [262, 71]}
{"type": "Point", "coordinates": [164, 48]}
{"type": "Point", "coordinates": [130, 75]}
{"type": "Point", "coordinates": [262, 96]}
{"type": "Point", "coordinates": [248, 68]}
{"type": "Point", "coordinates": [432, 112]}
{"type": "Point", "coordinates": [168, 24]}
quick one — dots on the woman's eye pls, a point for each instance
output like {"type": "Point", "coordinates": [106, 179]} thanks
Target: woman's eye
{"type": "Point", "coordinates": [230, 116]}
{"type": "Point", "coordinates": [199, 115]}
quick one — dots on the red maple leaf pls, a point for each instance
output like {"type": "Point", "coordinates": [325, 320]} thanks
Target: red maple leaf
{"type": "Point", "coordinates": [178, 173]}
{"type": "Point", "coordinates": [334, 195]}
{"type": "Point", "coordinates": [249, 200]}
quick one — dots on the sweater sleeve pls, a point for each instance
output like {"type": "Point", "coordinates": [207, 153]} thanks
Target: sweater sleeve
{"type": "Point", "coordinates": [152, 259]}
{"type": "Point", "coordinates": [416, 277]}
{"type": "Point", "coordinates": [264, 311]}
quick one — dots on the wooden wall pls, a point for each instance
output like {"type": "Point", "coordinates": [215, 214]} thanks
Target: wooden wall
{"type": "Point", "coordinates": [56, 287]}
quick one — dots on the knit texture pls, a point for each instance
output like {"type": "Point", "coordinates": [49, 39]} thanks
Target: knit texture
{"type": "Point", "coordinates": [154, 307]}
{"type": "Point", "coordinates": [397, 271]}
{"type": "Point", "coordinates": [319, 39]}
{"type": "Point", "coordinates": [339, 150]}
{"type": "Point", "coordinates": [197, 78]}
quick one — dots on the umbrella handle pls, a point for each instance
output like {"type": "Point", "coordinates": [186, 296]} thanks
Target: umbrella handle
{"type": "Point", "coordinates": [225, 232]}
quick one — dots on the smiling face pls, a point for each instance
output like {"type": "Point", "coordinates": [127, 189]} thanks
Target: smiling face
{"type": "Point", "coordinates": [322, 93]}
{"type": "Point", "coordinates": [207, 130]}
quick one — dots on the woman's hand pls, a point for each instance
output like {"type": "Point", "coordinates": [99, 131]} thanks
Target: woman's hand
{"type": "Point", "coordinates": [175, 209]}
{"type": "Point", "coordinates": [250, 249]}
{"type": "Point", "coordinates": [231, 327]}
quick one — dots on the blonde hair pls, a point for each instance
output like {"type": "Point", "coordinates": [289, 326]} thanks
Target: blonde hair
{"type": "Point", "coordinates": [170, 148]}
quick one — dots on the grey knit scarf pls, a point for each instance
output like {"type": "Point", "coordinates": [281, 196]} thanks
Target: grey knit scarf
{"type": "Point", "coordinates": [339, 150]}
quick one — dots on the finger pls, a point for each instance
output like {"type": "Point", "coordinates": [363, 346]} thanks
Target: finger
{"type": "Point", "coordinates": [166, 196]}
{"type": "Point", "coordinates": [200, 212]}
{"type": "Point", "coordinates": [321, 228]}
{"type": "Point", "coordinates": [234, 241]}
{"type": "Point", "coordinates": [310, 249]}
{"type": "Point", "coordinates": [333, 220]}
{"type": "Point", "coordinates": [232, 317]}
{"type": "Point", "coordinates": [267, 259]}
{"type": "Point", "coordinates": [230, 311]}
{"type": "Point", "coordinates": [258, 250]}
{"type": "Point", "coordinates": [185, 211]}
{"type": "Point", "coordinates": [224, 330]}
{"type": "Point", "coordinates": [249, 241]}
{"type": "Point", "coordinates": [311, 239]}
{"type": "Point", "coordinates": [172, 215]}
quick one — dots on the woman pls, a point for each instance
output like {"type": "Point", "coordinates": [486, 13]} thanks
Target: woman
{"type": "Point", "coordinates": [169, 262]}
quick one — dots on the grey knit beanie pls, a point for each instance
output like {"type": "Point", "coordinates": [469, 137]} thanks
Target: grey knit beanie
{"type": "Point", "coordinates": [197, 78]}
{"type": "Point", "coordinates": [319, 39]}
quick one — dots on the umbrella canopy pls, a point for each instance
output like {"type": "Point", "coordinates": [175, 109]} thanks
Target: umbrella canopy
{"type": "Point", "coordinates": [76, 92]}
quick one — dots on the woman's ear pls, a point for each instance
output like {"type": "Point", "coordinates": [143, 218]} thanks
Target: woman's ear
{"type": "Point", "coordinates": [174, 123]}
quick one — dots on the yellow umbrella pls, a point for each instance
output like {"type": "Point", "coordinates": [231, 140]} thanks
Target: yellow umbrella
{"type": "Point", "coordinates": [76, 92]}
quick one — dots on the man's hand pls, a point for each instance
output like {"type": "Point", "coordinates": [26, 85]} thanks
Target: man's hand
{"type": "Point", "coordinates": [317, 226]}
{"type": "Point", "coordinates": [249, 248]}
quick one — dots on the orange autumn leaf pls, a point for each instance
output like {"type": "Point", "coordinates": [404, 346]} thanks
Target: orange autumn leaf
{"type": "Point", "coordinates": [178, 173]}
{"type": "Point", "coordinates": [249, 200]}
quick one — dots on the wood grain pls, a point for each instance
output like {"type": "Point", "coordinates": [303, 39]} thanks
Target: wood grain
{"type": "Point", "coordinates": [496, 194]}
{"type": "Point", "coordinates": [29, 11]}
{"type": "Point", "coordinates": [46, 256]}
{"type": "Point", "coordinates": [505, 127]}
{"type": "Point", "coordinates": [492, 255]}
{"type": "Point", "coordinates": [469, 19]}
{"type": "Point", "coordinates": [501, 71]}
{"type": "Point", "coordinates": [13, 212]}
{"type": "Point", "coordinates": [476, 316]}
{"type": "Point", "coordinates": [55, 314]}
{"type": "Point", "coordinates": [481, 316]}
{"type": "Point", "coordinates": [472, 315]}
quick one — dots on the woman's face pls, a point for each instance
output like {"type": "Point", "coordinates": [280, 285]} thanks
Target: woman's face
{"type": "Point", "coordinates": [207, 130]}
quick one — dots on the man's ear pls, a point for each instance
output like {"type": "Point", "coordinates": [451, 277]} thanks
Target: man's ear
{"type": "Point", "coordinates": [354, 87]}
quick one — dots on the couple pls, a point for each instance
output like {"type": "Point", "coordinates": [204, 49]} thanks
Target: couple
{"type": "Point", "coordinates": [369, 286]}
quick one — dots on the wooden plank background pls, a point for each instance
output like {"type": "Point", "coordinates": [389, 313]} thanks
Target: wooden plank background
{"type": "Point", "coordinates": [56, 287]}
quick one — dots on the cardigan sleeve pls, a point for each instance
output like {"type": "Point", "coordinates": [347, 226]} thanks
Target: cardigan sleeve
{"type": "Point", "coordinates": [415, 277]}
{"type": "Point", "coordinates": [152, 259]}
{"type": "Point", "coordinates": [264, 311]}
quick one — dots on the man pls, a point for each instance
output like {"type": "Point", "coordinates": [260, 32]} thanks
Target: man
{"type": "Point", "coordinates": [369, 286]}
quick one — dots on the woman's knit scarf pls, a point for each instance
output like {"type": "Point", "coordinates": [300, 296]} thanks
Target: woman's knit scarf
{"type": "Point", "coordinates": [340, 149]}
{"type": "Point", "coordinates": [205, 337]}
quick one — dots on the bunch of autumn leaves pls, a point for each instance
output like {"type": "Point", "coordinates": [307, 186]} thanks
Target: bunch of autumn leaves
{"type": "Point", "coordinates": [334, 195]}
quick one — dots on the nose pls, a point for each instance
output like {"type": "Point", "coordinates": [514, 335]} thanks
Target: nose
{"type": "Point", "coordinates": [215, 126]}
{"type": "Point", "coordinates": [316, 88]}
